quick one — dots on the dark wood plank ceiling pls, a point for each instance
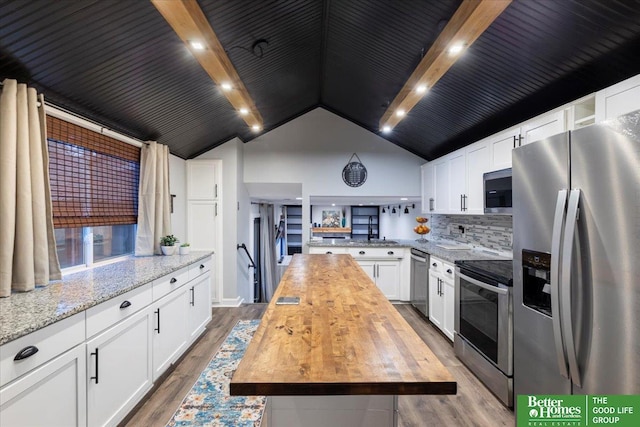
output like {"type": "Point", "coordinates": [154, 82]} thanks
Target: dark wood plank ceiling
{"type": "Point", "coordinates": [119, 63]}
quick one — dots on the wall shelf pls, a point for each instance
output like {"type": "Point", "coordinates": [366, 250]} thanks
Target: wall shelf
{"type": "Point", "coordinates": [345, 230]}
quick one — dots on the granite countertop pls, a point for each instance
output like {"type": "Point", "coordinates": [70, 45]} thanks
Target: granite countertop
{"type": "Point", "coordinates": [22, 313]}
{"type": "Point", "coordinates": [430, 247]}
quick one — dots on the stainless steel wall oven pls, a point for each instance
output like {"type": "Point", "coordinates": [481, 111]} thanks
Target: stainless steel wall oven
{"type": "Point", "coordinates": [483, 326]}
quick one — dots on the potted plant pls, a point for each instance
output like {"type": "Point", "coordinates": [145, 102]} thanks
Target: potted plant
{"type": "Point", "coordinates": [184, 249]}
{"type": "Point", "coordinates": [167, 244]}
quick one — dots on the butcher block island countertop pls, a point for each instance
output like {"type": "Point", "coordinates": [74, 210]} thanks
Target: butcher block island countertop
{"type": "Point", "coordinates": [344, 338]}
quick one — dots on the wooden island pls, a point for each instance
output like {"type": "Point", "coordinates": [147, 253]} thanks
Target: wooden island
{"type": "Point", "coordinates": [341, 357]}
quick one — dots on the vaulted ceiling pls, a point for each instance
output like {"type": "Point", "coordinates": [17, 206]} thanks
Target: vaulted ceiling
{"type": "Point", "coordinates": [119, 63]}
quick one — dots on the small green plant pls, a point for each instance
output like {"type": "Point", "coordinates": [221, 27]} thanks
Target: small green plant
{"type": "Point", "coordinates": [169, 240]}
{"type": "Point", "coordinates": [185, 245]}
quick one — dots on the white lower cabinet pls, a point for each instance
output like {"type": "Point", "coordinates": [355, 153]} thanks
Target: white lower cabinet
{"type": "Point", "coordinates": [199, 295]}
{"type": "Point", "coordinates": [52, 395]}
{"type": "Point", "coordinates": [385, 274]}
{"type": "Point", "coordinates": [442, 296]}
{"type": "Point", "coordinates": [119, 369]}
{"type": "Point", "coordinates": [169, 329]}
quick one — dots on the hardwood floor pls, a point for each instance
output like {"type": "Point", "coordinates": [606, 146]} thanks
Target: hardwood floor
{"type": "Point", "coordinates": [474, 405]}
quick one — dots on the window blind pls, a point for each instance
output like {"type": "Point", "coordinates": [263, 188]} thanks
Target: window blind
{"type": "Point", "coordinates": [94, 178]}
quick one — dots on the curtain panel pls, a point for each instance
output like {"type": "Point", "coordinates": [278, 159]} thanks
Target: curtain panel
{"type": "Point", "coordinates": [27, 248]}
{"type": "Point", "coordinates": [267, 251]}
{"type": "Point", "coordinates": [154, 200]}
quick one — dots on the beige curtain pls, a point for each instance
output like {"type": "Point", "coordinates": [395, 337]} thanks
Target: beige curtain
{"type": "Point", "coordinates": [154, 201]}
{"type": "Point", "coordinates": [27, 249]}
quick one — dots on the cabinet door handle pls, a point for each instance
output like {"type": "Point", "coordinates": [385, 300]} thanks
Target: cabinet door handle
{"type": "Point", "coordinates": [193, 296]}
{"type": "Point", "coordinates": [216, 207]}
{"type": "Point", "coordinates": [201, 266]}
{"type": "Point", "coordinates": [374, 270]}
{"type": "Point", "coordinates": [431, 200]}
{"type": "Point", "coordinates": [125, 304]}
{"type": "Point", "coordinates": [461, 208]}
{"type": "Point", "coordinates": [378, 267]}
{"type": "Point", "coordinates": [26, 352]}
{"type": "Point", "coordinates": [329, 252]}
{"type": "Point", "coordinates": [157, 312]}
{"type": "Point", "coordinates": [434, 265]}
{"type": "Point", "coordinates": [464, 202]}
{"type": "Point", "coordinates": [216, 191]}
{"type": "Point", "coordinates": [449, 271]}
{"type": "Point", "coordinates": [96, 355]}
{"type": "Point", "coordinates": [173, 280]}
{"type": "Point", "coordinates": [390, 253]}
{"type": "Point", "coordinates": [361, 252]}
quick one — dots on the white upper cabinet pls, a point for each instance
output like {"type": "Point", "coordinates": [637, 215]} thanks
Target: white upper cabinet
{"type": "Point", "coordinates": [203, 179]}
{"type": "Point", "coordinates": [441, 185]}
{"type": "Point", "coordinates": [501, 147]}
{"type": "Point", "coordinates": [428, 187]}
{"type": "Point", "coordinates": [543, 127]}
{"type": "Point", "coordinates": [619, 99]}
{"type": "Point", "coordinates": [457, 181]}
{"type": "Point", "coordinates": [478, 162]}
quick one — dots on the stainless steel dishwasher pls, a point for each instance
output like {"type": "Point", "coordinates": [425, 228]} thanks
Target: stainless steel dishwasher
{"type": "Point", "coordinates": [420, 281]}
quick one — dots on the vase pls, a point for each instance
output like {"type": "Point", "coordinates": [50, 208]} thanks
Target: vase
{"type": "Point", "coordinates": [168, 250]}
{"type": "Point", "coordinates": [184, 250]}
{"type": "Point", "coordinates": [344, 222]}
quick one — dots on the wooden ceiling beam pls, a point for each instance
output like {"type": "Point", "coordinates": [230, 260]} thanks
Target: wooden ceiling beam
{"type": "Point", "coordinates": [188, 21]}
{"type": "Point", "coordinates": [471, 19]}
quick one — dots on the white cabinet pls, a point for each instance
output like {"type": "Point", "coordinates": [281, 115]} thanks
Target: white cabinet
{"type": "Point", "coordinates": [199, 305]}
{"type": "Point", "coordinates": [119, 367]}
{"type": "Point", "coordinates": [169, 329]}
{"type": "Point", "coordinates": [52, 395]}
{"type": "Point", "coordinates": [477, 163]}
{"type": "Point", "coordinates": [457, 181]}
{"type": "Point", "coordinates": [386, 276]}
{"type": "Point", "coordinates": [428, 189]}
{"type": "Point", "coordinates": [619, 99]}
{"type": "Point", "coordinates": [543, 127]}
{"type": "Point", "coordinates": [501, 147]}
{"type": "Point", "coordinates": [204, 213]}
{"type": "Point", "coordinates": [327, 250]}
{"type": "Point", "coordinates": [441, 185]}
{"type": "Point", "coordinates": [441, 296]}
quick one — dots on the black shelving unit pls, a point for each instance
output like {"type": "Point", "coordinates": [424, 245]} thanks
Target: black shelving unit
{"type": "Point", "coordinates": [360, 222]}
{"type": "Point", "coordinates": [294, 229]}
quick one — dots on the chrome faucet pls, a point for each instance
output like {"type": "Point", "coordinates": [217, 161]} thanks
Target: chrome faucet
{"type": "Point", "coordinates": [370, 228]}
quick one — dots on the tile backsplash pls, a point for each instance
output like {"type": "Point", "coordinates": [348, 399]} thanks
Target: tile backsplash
{"type": "Point", "coordinates": [489, 231]}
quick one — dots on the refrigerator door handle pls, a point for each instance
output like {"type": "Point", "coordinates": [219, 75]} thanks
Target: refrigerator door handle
{"type": "Point", "coordinates": [567, 255]}
{"type": "Point", "coordinates": [556, 241]}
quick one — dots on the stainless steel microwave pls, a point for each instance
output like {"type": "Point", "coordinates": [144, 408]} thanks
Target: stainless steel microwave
{"type": "Point", "coordinates": [497, 192]}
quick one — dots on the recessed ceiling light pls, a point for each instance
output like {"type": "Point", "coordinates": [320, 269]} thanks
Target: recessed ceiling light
{"type": "Point", "coordinates": [226, 86]}
{"type": "Point", "coordinates": [333, 204]}
{"type": "Point", "coordinates": [196, 45]}
{"type": "Point", "coordinates": [256, 128]}
{"type": "Point", "coordinates": [244, 111]}
{"type": "Point", "coordinates": [400, 113]}
{"type": "Point", "coordinates": [360, 204]}
{"type": "Point", "coordinates": [298, 198]}
{"type": "Point", "coordinates": [403, 198]}
{"type": "Point", "coordinates": [421, 88]}
{"type": "Point", "coordinates": [456, 48]}
{"type": "Point", "coordinates": [386, 129]}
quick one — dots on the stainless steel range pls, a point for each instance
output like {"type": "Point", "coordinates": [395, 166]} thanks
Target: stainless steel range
{"type": "Point", "coordinates": [483, 338]}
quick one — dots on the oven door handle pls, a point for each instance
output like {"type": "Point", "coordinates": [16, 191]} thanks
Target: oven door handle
{"type": "Point", "coordinates": [491, 288]}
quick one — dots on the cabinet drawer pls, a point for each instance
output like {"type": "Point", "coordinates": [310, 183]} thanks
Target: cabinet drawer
{"type": "Point", "coordinates": [107, 314]}
{"type": "Point", "coordinates": [436, 265]}
{"type": "Point", "coordinates": [448, 271]}
{"type": "Point", "coordinates": [327, 250]}
{"type": "Point", "coordinates": [50, 342]}
{"type": "Point", "coordinates": [199, 268]}
{"type": "Point", "coordinates": [170, 282]}
{"type": "Point", "coordinates": [378, 253]}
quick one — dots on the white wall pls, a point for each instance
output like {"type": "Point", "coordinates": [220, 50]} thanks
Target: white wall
{"type": "Point", "coordinates": [399, 225]}
{"type": "Point", "coordinates": [314, 148]}
{"type": "Point", "coordinates": [178, 186]}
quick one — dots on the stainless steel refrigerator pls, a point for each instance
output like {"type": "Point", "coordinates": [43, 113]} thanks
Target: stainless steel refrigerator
{"type": "Point", "coordinates": [576, 253]}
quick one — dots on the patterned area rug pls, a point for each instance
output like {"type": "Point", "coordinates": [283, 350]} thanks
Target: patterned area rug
{"type": "Point", "coordinates": [208, 402]}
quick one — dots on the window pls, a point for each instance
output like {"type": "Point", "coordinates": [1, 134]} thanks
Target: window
{"type": "Point", "coordinates": [94, 193]}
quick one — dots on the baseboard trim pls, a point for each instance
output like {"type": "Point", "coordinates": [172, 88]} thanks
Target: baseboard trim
{"type": "Point", "coordinates": [229, 302]}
